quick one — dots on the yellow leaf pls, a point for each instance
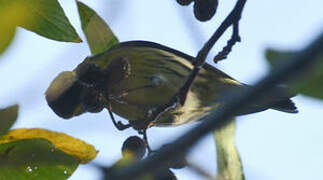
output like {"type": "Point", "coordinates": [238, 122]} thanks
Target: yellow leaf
{"type": "Point", "coordinates": [70, 145]}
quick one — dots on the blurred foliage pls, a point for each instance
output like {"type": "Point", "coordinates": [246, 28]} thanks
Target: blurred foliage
{"type": "Point", "coordinates": [311, 84]}
{"type": "Point", "coordinates": [98, 34]}
{"type": "Point", "coordinates": [8, 117]}
{"type": "Point", "coordinates": [79, 149]}
{"type": "Point", "coordinates": [44, 17]}
{"type": "Point", "coordinates": [228, 159]}
{"type": "Point", "coordinates": [35, 159]}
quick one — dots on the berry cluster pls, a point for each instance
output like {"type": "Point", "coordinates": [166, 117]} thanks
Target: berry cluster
{"type": "Point", "coordinates": [204, 10]}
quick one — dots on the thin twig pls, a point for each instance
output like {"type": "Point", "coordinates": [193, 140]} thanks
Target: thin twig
{"type": "Point", "coordinates": [218, 118]}
{"type": "Point", "coordinates": [233, 17]}
{"type": "Point", "coordinates": [228, 48]}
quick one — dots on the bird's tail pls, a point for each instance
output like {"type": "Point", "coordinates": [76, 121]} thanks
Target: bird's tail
{"type": "Point", "coordinates": [283, 101]}
{"type": "Point", "coordinates": [286, 105]}
{"type": "Point", "coordinates": [277, 99]}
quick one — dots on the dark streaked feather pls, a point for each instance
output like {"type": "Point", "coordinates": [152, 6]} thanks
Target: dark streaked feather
{"type": "Point", "coordinates": [285, 106]}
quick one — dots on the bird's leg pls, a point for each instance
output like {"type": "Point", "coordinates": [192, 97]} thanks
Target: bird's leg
{"type": "Point", "coordinates": [118, 124]}
{"type": "Point", "coordinates": [143, 132]}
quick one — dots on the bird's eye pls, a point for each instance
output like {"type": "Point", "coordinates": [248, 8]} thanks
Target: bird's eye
{"type": "Point", "coordinates": [89, 74]}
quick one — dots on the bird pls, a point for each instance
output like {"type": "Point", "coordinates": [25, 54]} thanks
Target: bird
{"type": "Point", "coordinates": [134, 79]}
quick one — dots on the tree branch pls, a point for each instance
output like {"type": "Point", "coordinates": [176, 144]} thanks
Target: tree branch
{"type": "Point", "coordinates": [235, 101]}
{"type": "Point", "coordinates": [200, 171]}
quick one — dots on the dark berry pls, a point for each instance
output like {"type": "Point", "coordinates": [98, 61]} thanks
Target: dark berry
{"type": "Point", "coordinates": [135, 145]}
{"type": "Point", "coordinates": [205, 9]}
{"type": "Point", "coordinates": [184, 2]}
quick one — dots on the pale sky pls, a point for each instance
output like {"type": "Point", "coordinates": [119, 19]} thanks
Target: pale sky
{"type": "Point", "coordinates": [272, 145]}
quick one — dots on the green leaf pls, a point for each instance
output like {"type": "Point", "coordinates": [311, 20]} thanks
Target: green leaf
{"type": "Point", "coordinates": [77, 148]}
{"type": "Point", "coordinates": [311, 84]}
{"type": "Point", "coordinates": [44, 17]}
{"type": "Point", "coordinates": [98, 34]}
{"type": "Point", "coordinates": [35, 159]}
{"type": "Point", "coordinates": [10, 15]}
{"type": "Point", "coordinates": [8, 117]}
{"type": "Point", "coordinates": [6, 37]}
{"type": "Point", "coordinates": [228, 159]}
